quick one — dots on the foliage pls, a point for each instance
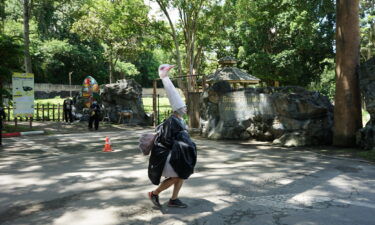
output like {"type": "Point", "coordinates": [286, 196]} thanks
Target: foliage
{"type": "Point", "coordinates": [284, 40]}
{"type": "Point", "coordinates": [118, 26]}
{"type": "Point", "coordinates": [326, 84]}
{"type": "Point", "coordinates": [10, 61]}
{"type": "Point", "coordinates": [367, 29]}
{"type": "Point", "coordinates": [10, 56]}
{"type": "Point", "coordinates": [126, 70]}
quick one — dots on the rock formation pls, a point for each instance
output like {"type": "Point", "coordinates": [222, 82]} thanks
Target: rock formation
{"type": "Point", "coordinates": [124, 96]}
{"type": "Point", "coordinates": [287, 116]}
{"type": "Point", "coordinates": [366, 136]}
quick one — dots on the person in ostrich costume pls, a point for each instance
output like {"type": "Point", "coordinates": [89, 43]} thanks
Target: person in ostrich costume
{"type": "Point", "coordinates": [174, 154]}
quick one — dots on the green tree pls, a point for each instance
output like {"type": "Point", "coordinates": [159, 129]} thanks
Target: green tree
{"type": "Point", "coordinates": [284, 40]}
{"type": "Point", "coordinates": [119, 26]}
{"type": "Point", "coordinates": [10, 60]}
{"type": "Point", "coordinates": [367, 22]}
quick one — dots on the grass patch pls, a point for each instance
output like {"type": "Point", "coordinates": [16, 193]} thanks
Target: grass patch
{"type": "Point", "coordinates": [368, 155]}
{"type": "Point", "coordinates": [51, 101]}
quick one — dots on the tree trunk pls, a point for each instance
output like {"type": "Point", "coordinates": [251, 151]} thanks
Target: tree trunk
{"type": "Point", "coordinates": [347, 111]}
{"type": "Point", "coordinates": [163, 7]}
{"type": "Point", "coordinates": [110, 70]}
{"type": "Point", "coordinates": [26, 32]}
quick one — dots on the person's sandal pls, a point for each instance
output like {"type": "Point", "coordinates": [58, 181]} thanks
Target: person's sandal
{"type": "Point", "coordinates": [176, 203]}
{"type": "Point", "coordinates": [154, 199]}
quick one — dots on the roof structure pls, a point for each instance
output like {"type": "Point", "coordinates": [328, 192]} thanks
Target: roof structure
{"type": "Point", "coordinates": [230, 73]}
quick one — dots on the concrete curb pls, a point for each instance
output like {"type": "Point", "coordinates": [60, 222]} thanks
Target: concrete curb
{"type": "Point", "coordinates": [18, 134]}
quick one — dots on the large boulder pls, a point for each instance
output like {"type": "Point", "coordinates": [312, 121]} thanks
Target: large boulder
{"type": "Point", "coordinates": [366, 136]}
{"type": "Point", "coordinates": [124, 96]}
{"type": "Point", "coordinates": [288, 116]}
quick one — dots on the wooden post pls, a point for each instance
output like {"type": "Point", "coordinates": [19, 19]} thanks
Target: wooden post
{"type": "Point", "coordinates": [203, 83]}
{"type": "Point", "coordinates": [37, 111]}
{"type": "Point", "coordinates": [31, 122]}
{"type": "Point", "coordinates": [15, 121]}
{"type": "Point", "coordinates": [43, 112]}
{"type": "Point", "coordinates": [48, 112]}
{"type": "Point", "coordinates": [53, 112]}
{"type": "Point", "coordinates": [193, 109]}
{"type": "Point", "coordinates": [58, 112]}
{"type": "Point", "coordinates": [154, 102]}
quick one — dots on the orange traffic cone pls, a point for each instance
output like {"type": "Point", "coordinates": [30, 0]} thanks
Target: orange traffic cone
{"type": "Point", "coordinates": [107, 146]}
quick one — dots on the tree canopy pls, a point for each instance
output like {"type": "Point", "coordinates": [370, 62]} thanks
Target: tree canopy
{"type": "Point", "coordinates": [289, 41]}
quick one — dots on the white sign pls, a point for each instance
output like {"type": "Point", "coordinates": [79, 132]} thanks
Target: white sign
{"type": "Point", "coordinates": [23, 94]}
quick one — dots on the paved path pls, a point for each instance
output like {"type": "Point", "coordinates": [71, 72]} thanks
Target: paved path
{"type": "Point", "coordinates": [66, 179]}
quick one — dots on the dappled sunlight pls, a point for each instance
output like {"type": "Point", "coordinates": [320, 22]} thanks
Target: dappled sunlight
{"type": "Point", "coordinates": [10, 181]}
{"type": "Point", "coordinates": [89, 216]}
{"type": "Point", "coordinates": [75, 182]}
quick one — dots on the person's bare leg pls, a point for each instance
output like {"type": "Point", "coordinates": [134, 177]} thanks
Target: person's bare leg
{"type": "Point", "coordinates": [165, 184]}
{"type": "Point", "coordinates": [177, 188]}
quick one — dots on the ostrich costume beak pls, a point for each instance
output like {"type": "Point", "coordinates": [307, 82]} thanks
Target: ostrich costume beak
{"type": "Point", "coordinates": [174, 98]}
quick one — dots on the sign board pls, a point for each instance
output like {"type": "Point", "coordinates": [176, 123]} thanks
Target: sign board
{"type": "Point", "coordinates": [23, 94]}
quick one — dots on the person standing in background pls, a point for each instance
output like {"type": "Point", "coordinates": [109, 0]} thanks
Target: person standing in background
{"type": "Point", "coordinates": [67, 107]}
{"type": "Point", "coordinates": [94, 115]}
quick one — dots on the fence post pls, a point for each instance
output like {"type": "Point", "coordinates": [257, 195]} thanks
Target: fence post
{"type": "Point", "coordinates": [15, 121]}
{"type": "Point", "coordinates": [154, 102]}
{"type": "Point", "coordinates": [31, 122]}
{"type": "Point", "coordinates": [158, 111]}
{"type": "Point", "coordinates": [37, 111]}
{"type": "Point", "coordinates": [58, 112]}
{"type": "Point", "coordinates": [48, 111]}
{"type": "Point", "coordinates": [53, 112]}
{"type": "Point", "coordinates": [43, 112]}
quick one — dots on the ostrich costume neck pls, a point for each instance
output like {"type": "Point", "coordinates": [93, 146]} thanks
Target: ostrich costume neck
{"type": "Point", "coordinates": [174, 98]}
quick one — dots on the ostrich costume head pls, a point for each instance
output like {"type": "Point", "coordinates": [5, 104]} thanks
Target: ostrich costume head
{"type": "Point", "coordinates": [174, 98]}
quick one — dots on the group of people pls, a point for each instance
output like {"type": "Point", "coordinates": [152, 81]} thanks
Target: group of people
{"type": "Point", "coordinates": [94, 113]}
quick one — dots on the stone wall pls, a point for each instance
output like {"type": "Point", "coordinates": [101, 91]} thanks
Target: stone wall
{"type": "Point", "coordinates": [288, 116]}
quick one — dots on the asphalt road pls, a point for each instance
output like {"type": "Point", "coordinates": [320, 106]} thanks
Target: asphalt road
{"type": "Point", "coordinates": [67, 179]}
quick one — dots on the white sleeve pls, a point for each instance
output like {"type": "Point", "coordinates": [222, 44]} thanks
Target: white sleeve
{"type": "Point", "coordinates": [174, 97]}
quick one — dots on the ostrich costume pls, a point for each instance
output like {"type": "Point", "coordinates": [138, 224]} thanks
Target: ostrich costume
{"type": "Point", "coordinates": [174, 153]}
